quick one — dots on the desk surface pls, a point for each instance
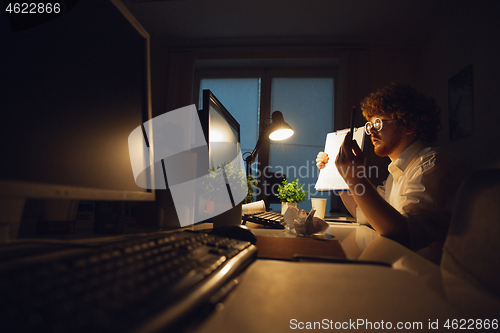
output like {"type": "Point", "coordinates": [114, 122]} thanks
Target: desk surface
{"type": "Point", "coordinates": [279, 296]}
{"type": "Point", "coordinates": [282, 296]}
{"type": "Point", "coordinates": [353, 239]}
{"type": "Point", "coordinates": [286, 248]}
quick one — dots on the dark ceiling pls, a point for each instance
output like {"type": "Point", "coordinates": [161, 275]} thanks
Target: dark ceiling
{"type": "Point", "coordinates": [292, 22]}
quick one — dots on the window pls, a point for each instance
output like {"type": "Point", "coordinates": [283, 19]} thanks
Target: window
{"type": "Point", "coordinates": [307, 106]}
{"type": "Point", "coordinates": [307, 103]}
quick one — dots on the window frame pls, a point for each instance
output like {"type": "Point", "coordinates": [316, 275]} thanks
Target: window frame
{"type": "Point", "coordinates": [266, 76]}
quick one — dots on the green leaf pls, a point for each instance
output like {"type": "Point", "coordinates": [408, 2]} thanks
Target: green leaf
{"type": "Point", "coordinates": [291, 192]}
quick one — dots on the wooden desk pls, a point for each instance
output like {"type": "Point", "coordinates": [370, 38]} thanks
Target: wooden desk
{"type": "Point", "coordinates": [344, 241]}
{"type": "Point", "coordinates": [276, 295]}
{"type": "Point", "coordinates": [285, 248]}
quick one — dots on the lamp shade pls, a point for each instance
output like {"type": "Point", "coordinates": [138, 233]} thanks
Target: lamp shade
{"type": "Point", "coordinates": [279, 130]}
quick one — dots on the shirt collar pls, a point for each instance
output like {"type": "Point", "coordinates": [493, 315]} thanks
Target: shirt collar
{"type": "Point", "coordinates": [397, 167]}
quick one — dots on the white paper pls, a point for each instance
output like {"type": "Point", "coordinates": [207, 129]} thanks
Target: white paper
{"type": "Point", "coordinates": [329, 177]}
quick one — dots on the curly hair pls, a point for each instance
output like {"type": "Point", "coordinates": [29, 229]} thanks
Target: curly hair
{"type": "Point", "coordinates": [407, 106]}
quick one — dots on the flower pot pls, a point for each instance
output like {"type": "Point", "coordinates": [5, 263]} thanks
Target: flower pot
{"type": "Point", "coordinates": [285, 205]}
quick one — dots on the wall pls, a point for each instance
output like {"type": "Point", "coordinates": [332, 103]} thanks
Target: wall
{"type": "Point", "coordinates": [469, 35]}
{"type": "Point", "coordinates": [388, 64]}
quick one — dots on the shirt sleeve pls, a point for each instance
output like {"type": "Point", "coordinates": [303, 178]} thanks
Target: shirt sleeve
{"type": "Point", "coordinates": [428, 195]}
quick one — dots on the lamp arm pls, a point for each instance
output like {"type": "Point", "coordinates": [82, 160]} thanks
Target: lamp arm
{"type": "Point", "coordinates": [277, 123]}
{"type": "Point", "coordinates": [251, 158]}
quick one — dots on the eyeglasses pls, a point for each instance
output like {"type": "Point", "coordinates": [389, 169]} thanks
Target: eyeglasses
{"type": "Point", "coordinates": [377, 125]}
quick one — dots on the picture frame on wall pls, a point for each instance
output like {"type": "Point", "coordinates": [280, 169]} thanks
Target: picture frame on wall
{"type": "Point", "coordinates": [460, 104]}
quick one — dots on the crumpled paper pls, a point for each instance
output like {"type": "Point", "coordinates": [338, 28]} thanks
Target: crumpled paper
{"type": "Point", "coordinates": [304, 223]}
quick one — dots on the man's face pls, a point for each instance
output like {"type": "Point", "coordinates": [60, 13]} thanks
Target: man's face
{"type": "Point", "coordinates": [388, 139]}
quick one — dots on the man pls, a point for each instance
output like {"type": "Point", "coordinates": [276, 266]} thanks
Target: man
{"type": "Point", "coordinates": [413, 206]}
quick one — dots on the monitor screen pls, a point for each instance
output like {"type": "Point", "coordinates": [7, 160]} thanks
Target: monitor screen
{"type": "Point", "coordinates": [73, 89]}
{"type": "Point", "coordinates": [222, 134]}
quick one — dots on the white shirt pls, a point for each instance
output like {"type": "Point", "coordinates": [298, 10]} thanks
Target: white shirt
{"type": "Point", "coordinates": [421, 185]}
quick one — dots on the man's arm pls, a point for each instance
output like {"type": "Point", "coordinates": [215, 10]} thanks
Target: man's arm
{"type": "Point", "coordinates": [384, 218]}
{"type": "Point", "coordinates": [349, 202]}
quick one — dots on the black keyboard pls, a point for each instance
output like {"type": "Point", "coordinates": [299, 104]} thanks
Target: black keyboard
{"type": "Point", "coordinates": [268, 219]}
{"type": "Point", "coordinates": [141, 284]}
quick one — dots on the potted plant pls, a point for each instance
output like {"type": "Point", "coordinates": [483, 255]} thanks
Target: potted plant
{"type": "Point", "coordinates": [290, 194]}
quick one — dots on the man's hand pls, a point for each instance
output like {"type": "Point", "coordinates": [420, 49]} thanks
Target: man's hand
{"type": "Point", "coordinates": [321, 160]}
{"type": "Point", "coordinates": [351, 161]}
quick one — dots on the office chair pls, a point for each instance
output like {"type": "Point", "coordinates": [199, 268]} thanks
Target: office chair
{"type": "Point", "coordinates": [472, 247]}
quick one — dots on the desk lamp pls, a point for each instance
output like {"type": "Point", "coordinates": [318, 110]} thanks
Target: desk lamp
{"type": "Point", "coordinates": [277, 130]}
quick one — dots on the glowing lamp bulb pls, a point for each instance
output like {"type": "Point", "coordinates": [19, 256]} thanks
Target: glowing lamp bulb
{"type": "Point", "coordinates": [281, 134]}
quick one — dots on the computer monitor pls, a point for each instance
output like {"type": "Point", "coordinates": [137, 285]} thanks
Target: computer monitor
{"type": "Point", "coordinates": [221, 130]}
{"type": "Point", "coordinates": [72, 89]}
{"type": "Point", "coordinates": [222, 134]}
